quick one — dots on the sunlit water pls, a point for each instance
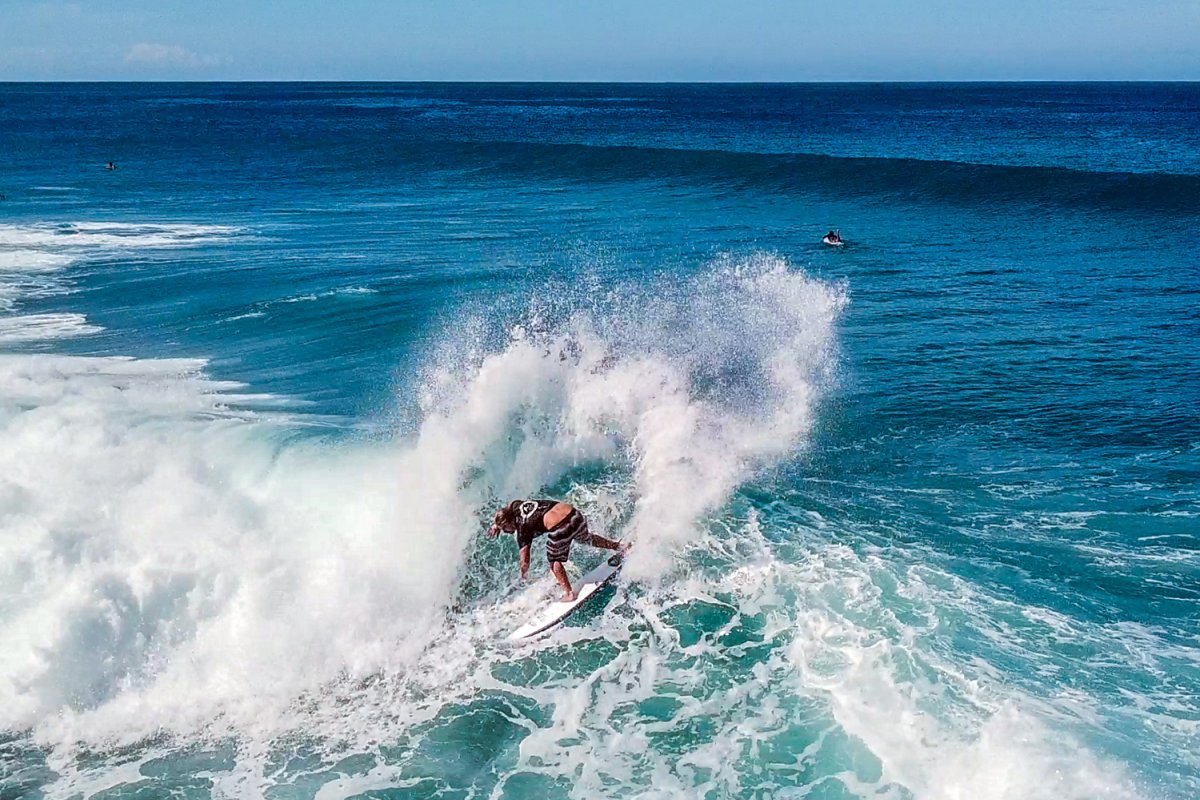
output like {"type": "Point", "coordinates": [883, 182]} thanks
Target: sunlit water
{"type": "Point", "coordinates": [914, 518]}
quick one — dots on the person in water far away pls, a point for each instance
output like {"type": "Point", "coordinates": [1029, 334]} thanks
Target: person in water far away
{"type": "Point", "coordinates": [833, 236]}
{"type": "Point", "coordinates": [562, 524]}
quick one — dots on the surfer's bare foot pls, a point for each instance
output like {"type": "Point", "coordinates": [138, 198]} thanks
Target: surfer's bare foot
{"type": "Point", "coordinates": [568, 597]}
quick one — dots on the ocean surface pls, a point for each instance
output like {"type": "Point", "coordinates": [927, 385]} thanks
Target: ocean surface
{"type": "Point", "coordinates": [917, 517]}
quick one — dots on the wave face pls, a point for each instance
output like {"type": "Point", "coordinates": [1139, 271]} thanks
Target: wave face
{"type": "Point", "coordinates": [914, 181]}
{"type": "Point", "coordinates": [912, 518]}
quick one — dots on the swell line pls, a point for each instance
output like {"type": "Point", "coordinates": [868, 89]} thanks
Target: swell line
{"type": "Point", "coordinates": [935, 181]}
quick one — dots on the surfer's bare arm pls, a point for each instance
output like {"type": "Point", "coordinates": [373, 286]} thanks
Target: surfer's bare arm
{"type": "Point", "coordinates": [524, 558]}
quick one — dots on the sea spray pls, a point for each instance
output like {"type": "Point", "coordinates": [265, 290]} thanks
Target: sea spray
{"type": "Point", "coordinates": [688, 387]}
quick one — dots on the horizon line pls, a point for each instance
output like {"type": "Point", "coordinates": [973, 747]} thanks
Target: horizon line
{"type": "Point", "coordinates": [614, 82]}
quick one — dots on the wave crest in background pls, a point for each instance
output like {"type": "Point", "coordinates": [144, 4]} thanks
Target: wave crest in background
{"type": "Point", "coordinates": [909, 179]}
{"type": "Point", "coordinates": [89, 236]}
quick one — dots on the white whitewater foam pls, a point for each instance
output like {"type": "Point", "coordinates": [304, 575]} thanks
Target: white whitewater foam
{"type": "Point", "coordinates": [167, 565]}
{"type": "Point", "coordinates": [33, 256]}
{"type": "Point", "coordinates": [44, 327]}
{"type": "Point", "coordinates": [109, 235]}
{"type": "Point", "coordinates": [942, 730]}
{"type": "Point", "coordinates": [33, 261]}
{"type": "Point", "coordinates": [26, 273]}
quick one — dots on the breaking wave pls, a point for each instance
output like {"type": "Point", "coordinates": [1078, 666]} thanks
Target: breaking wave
{"type": "Point", "coordinates": [186, 576]}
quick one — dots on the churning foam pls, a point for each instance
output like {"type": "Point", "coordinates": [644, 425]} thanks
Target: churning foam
{"type": "Point", "coordinates": [32, 261]}
{"type": "Point", "coordinates": [43, 327]}
{"type": "Point", "coordinates": [942, 730]}
{"type": "Point", "coordinates": [32, 254]}
{"type": "Point", "coordinates": [109, 235]}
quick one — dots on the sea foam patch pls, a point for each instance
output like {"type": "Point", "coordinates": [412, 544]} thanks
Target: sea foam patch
{"type": "Point", "coordinates": [44, 327]}
{"type": "Point", "coordinates": [109, 235]}
{"type": "Point", "coordinates": [25, 260]}
{"type": "Point", "coordinates": [35, 260]}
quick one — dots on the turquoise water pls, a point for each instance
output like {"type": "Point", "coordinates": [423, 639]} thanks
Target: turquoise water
{"type": "Point", "coordinates": [913, 518]}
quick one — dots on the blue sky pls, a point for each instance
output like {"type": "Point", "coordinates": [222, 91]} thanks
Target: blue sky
{"type": "Point", "coordinates": [620, 40]}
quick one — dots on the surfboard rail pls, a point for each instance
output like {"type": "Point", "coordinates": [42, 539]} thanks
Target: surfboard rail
{"type": "Point", "coordinates": [554, 613]}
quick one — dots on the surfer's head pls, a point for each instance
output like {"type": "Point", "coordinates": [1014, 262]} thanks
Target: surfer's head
{"type": "Point", "coordinates": [506, 518]}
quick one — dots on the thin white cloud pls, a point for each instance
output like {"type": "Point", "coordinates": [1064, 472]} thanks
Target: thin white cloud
{"type": "Point", "coordinates": [169, 55]}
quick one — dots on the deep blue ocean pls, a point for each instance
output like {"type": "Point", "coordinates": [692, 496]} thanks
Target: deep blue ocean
{"type": "Point", "coordinates": [915, 517]}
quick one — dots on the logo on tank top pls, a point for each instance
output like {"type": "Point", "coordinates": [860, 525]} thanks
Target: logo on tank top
{"type": "Point", "coordinates": [527, 509]}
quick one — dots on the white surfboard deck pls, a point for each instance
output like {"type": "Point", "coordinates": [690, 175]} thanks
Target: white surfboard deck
{"type": "Point", "coordinates": [552, 614]}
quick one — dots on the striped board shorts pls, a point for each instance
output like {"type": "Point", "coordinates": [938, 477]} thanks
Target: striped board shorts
{"type": "Point", "coordinates": [572, 529]}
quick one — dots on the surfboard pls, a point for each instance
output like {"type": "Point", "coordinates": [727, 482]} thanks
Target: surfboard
{"type": "Point", "coordinates": [554, 613]}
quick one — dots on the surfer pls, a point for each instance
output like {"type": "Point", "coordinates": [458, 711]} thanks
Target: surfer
{"type": "Point", "coordinates": [110, 166]}
{"type": "Point", "coordinates": [561, 522]}
{"type": "Point", "coordinates": [833, 237]}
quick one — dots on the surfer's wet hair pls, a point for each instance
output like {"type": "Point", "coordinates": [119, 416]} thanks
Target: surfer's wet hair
{"type": "Point", "coordinates": [507, 517]}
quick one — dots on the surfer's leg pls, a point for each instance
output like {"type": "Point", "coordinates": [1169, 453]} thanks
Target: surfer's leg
{"type": "Point", "coordinates": [575, 529]}
{"type": "Point", "coordinates": [596, 540]}
{"type": "Point", "coordinates": [560, 573]}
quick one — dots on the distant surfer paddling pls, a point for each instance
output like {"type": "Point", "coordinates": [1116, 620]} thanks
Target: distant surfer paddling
{"type": "Point", "coordinates": [561, 522]}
